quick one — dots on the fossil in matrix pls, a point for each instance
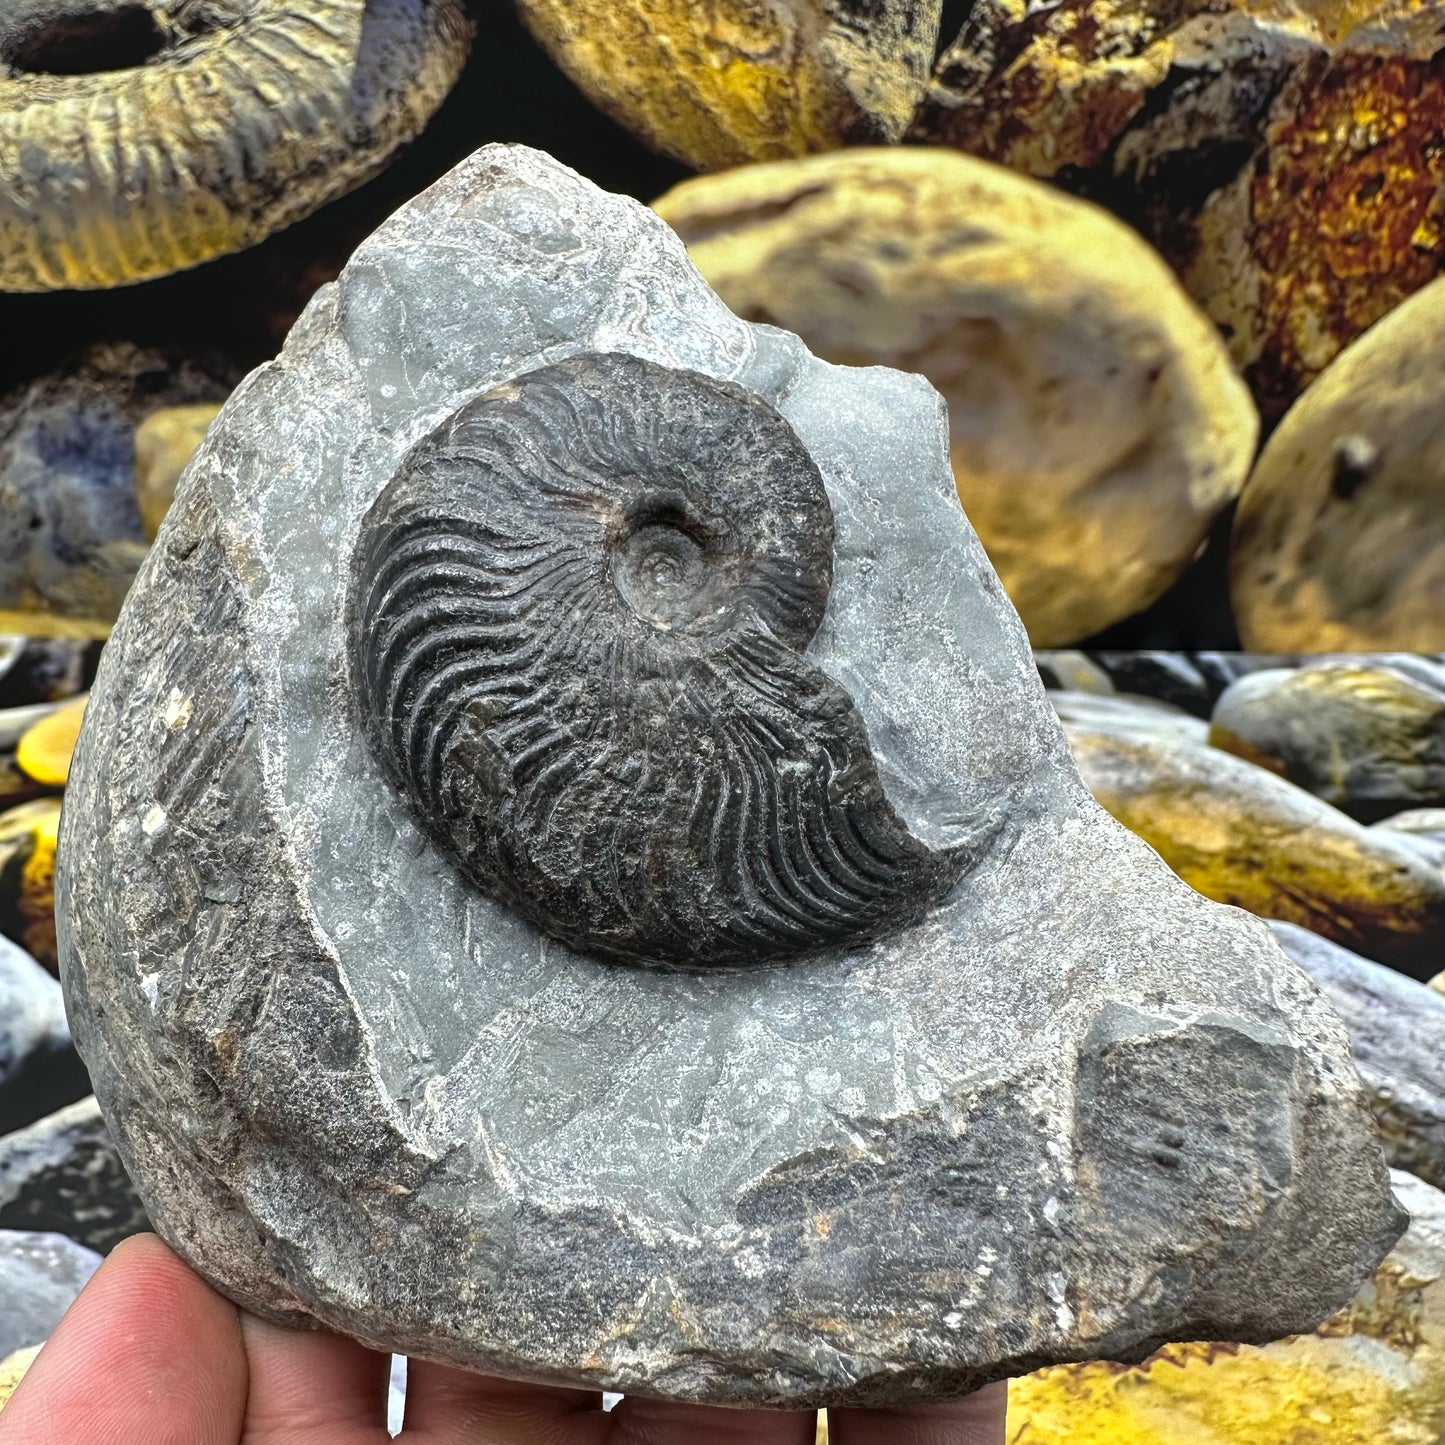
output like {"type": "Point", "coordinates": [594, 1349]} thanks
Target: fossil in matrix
{"type": "Point", "coordinates": [729, 81]}
{"type": "Point", "coordinates": [609, 902]}
{"type": "Point", "coordinates": [580, 617]}
{"type": "Point", "coordinates": [139, 137]}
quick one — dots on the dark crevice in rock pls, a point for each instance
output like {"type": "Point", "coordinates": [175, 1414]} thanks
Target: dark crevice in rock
{"type": "Point", "coordinates": [120, 39]}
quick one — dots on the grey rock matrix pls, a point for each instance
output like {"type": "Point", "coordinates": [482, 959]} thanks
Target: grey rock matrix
{"type": "Point", "coordinates": [1074, 1111]}
{"type": "Point", "coordinates": [40, 1274]}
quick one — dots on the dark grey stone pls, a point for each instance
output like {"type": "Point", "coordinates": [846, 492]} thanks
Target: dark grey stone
{"type": "Point", "coordinates": [1168, 676]}
{"type": "Point", "coordinates": [40, 1274]}
{"type": "Point", "coordinates": [39, 1068]}
{"type": "Point", "coordinates": [63, 1174]}
{"type": "Point", "coordinates": [1397, 1037]}
{"type": "Point", "coordinates": [356, 1090]}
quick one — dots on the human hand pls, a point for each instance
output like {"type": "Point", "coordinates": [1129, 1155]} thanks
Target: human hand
{"type": "Point", "coordinates": [151, 1355]}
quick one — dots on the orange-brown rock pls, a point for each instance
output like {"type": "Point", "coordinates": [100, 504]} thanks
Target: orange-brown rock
{"type": "Point", "coordinates": [1285, 157]}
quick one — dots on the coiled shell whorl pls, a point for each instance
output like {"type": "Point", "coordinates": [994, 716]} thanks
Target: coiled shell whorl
{"type": "Point", "coordinates": [577, 624]}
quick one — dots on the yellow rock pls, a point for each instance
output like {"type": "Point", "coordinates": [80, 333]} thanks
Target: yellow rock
{"type": "Point", "coordinates": [1339, 541]}
{"type": "Point", "coordinates": [159, 135]}
{"type": "Point", "coordinates": [27, 877]}
{"type": "Point", "coordinates": [1241, 835]}
{"type": "Point", "coordinates": [164, 442]}
{"type": "Point", "coordinates": [45, 750]}
{"type": "Point", "coordinates": [12, 1371]}
{"type": "Point", "coordinates": [1373, 1375]}
{"type": "Point", "coordinates": [727, 81]}
{"type": "Point", "coordinates": [1097, 427]}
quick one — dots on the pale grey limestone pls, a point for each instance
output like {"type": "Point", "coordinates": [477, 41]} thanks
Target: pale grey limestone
{"type": "Point", "coordinates": [1075, 1112]}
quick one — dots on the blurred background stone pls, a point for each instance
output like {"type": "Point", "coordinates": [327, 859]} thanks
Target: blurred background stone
{"type": "Point", "coordinates": [1364, 736]}
{"type": "Point", "coordinates": [40, 1071]}
{"type": "Point", "coordinates": [1097, 426]}
{"type": "Point", "coordinates": [164, 442]}
{"type": "Point", "coordinates": [1339, 540]}
{"type": "Point", "coordinates": [40, 1274]}
{"type": "Point", "coordinates": [62, 1174]}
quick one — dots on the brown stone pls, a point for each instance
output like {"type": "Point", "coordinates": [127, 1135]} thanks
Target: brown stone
{"type": "Point", "coordinates": [1285, 158]}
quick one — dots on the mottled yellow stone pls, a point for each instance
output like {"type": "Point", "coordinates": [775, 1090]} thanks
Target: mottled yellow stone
{"type": "Point", "coordinates": [1097, 427]}
{"type": "Point", "coordinates": [27, 877]}
{"type": "Point", "coordinates": [1339, 540]}
{"type": "Point", "coordinates": [12, 1371]}
{"type": "Point", "coordinates": [1373, 1375]}
{"type": "Point", "coordinates": [164, 442]}
{"type": "Point", "coordinates": [1241, 835]}
{"type": "Point", "coordinates": [190, 130]}
{"type": "Point", "coordinates": [46, 748]}
{"type": "Point", "coordinates": [720, 82]}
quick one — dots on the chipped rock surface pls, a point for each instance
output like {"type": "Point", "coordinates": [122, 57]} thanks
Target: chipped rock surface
{"type": "Point", "coordinates": [1339, 541]}
{"type": "Point", "coordinates": [40, 1274]}
{"type": "Point", "coordinates": [1077, 1111]}
{"type": "Point", "coordinates": [1397, 1039]}
{"type": "Point", "coordinates": [1097, 427]}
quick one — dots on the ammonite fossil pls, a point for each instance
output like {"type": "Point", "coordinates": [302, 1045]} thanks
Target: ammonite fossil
{"type": "Point", "coordinates": [139, 137]}
{"type": "Point", "coordinates": [577, 629]}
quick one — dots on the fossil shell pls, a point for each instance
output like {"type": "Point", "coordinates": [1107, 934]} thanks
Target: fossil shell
{"type": "Point", "coordinates": [141, 138]}
{"type": "Point", "coordinates": [730, 81]}
{"type": "Point", "coordinates": [577, 628]}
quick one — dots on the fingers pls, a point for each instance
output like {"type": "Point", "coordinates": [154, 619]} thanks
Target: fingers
{"type": "Point", "coordinates": [660, 1422]}
{"type": "Point", "coordinates": [456, 1407]}
{"type": "Point", "coordinates": [977, 1420]}
{"type": "Point", "coordinates": [148, 1355]}
{"type": "Point", "coordinates": [313, 1389]}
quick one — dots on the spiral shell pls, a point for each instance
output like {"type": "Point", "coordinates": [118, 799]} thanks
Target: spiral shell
{"type": "Point", "coordinates": [140, 137]}
{"type": "Point", "coordinates": [577, 623]}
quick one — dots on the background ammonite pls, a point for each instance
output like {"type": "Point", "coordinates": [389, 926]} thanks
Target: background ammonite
{"type": "Point", "coordinates": [577, 627]}
{"type": "Point", "coordinates": [139, 137]}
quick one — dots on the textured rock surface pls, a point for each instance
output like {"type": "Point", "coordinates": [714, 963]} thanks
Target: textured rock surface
{"type": "Point", "coordinates": [1077, 1111]}
{"type": "Point", "coordinates": [1240, 834]}
{"type": "Point", "coordinates": [1097, 427]}
{"type": "Point", "coordinates": [742, 80]}
{"type": "Point", "coordinates": [63, 1174]}
{"type": "Point", "coordinates": [40, 1274]}
{"type": "Point", "coordinates": [164, 442]}
{"type": "Point", "coordinates": [1363, 736]}
{"type": "Point", "coordinates": [1397, 1038]}
{"type": "Point", "coordinates": [1284, 157]}
{"type": "Point", "coordinates": [1373, 1375]}
{"type": "Point", "coordinates": [165, 132]}
{"type": "Point", "coordinates": [39, 1070]}
{"type": "Point", "coordinates": [70, 532]}
{"type": "Point", "coordinates": [1339, 540]}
